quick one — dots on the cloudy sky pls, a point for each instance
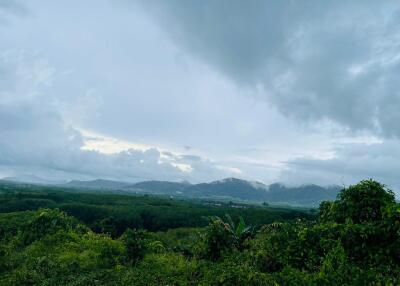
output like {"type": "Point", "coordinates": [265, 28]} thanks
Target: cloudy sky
{"type": "Point", "coordinates": [290, 91]}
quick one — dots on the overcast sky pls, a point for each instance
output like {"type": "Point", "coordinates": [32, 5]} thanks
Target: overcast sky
{"type": "Point", "coordinates": [290, 91]}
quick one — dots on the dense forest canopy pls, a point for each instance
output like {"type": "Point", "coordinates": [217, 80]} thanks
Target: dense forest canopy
{"type": "Point", "coordinates": [47, 237]}
{"type": "Point", "coordinates": [113, 213]}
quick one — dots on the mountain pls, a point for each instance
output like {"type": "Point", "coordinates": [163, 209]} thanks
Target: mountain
{"type": "Point", "coordinates": [97, 184]}
{"type": "Point", "coordinates": [160, 187]}
{"type": "Point", "coordinates": [301, 195]}
{"type": "Point", "coordinates": [229, 189]}
{"type": "Point", "coordinates": [232, 188]}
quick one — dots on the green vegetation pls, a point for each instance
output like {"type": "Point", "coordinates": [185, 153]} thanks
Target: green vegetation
{"type": "Point", "coordinates": [51, 237]}
{"type": "Point", "coordinates": [113, 214]}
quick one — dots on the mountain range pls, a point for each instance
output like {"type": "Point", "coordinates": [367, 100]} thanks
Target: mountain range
{"type": "Point", "coordinates": [226, 189]}
{"type": "Point", "coordinates": [230, 188]}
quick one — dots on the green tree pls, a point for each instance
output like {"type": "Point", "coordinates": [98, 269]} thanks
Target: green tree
{"type": "Point", "coordinates": [46, 222]}
{"type": "Point", "coordinates": [223, 236]}
{"type": "Point", "coordinates": [359, 203]}
{"type": "Point", "coordinates": [135, 242]}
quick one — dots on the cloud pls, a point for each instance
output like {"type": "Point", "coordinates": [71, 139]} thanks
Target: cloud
{"type": "Point", "coordinates": [351, 163]}
{"type": "Point", "coordinates": [23, 76]}
{"type": "Point", "coordinates": [331, 61]}
{"type": "Point", "coordinates": [35, 140]}
{"type": "Point", "coordinates": [11, 7]}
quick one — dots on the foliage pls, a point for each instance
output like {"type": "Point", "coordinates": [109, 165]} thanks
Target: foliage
{"type": "Point", "coordinates": [112, 214]}
{"type": "Point", "coordinates": [220, 237]}
{"type": "Point", "coordinates": [45, 222]}
{"type": "Point", "coordinates": [135, 242]}
{"type": "Point", "coordinates": [240, 232]}
{"type": "Point", "coordinates": [363, 202]}
{"type": "Point", "coordinates": [354, 241]}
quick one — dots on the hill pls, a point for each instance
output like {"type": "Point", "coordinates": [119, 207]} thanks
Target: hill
{"type": "Point", "coordinates": [232, 188]}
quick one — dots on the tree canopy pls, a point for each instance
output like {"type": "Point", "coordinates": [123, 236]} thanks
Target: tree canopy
{"type": "Point", "coordinates": [355, 240]}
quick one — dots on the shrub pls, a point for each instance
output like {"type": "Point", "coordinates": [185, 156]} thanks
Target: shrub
{"type": "Point", "coordinates": [135, 242]}
{"type": "Point", "coordinates": [46, 222]}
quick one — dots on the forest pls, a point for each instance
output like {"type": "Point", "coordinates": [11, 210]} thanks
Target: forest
{"type": "Point", "coordinates": [53, 236]}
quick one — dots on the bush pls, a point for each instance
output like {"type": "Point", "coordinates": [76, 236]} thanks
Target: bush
{"type": "Point", "coordinates": [136, 242]}
{"type": "Point", "coordinates": [46, 222]}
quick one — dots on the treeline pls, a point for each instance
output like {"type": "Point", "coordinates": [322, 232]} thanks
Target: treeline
{"type": "Point", "coordinates": [354, 240]}
{"type": "Point", "coordinates": [113, 214]}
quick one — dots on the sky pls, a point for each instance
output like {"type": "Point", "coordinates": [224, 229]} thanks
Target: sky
{"type": "Point", "coordinates": [273, 91]}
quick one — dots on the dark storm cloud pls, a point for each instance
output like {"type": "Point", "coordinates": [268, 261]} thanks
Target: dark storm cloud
{"type": "Point", "coordinates": [316, 60]}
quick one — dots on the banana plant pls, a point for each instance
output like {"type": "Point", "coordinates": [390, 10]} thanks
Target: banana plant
{"type": "Point", "coordinates": [241, 231]}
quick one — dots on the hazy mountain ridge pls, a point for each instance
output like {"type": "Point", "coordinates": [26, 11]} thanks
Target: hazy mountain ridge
{"type": "Point", "coordinates": [97, 184]}
{"type": "Point", "coordinates": [161, 187]}
{"type": "Point", "coordinates": [229, 188]}
{"type": "Point", "coordinates": [304, 195]}
{"type": "Point", "coordinates": [243, 190]}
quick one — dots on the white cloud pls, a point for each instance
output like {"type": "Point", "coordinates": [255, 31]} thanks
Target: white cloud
{"type": "Point", "coordinates": [35, 140]}
{"type": "Point", "coordinates": [108, 145]}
